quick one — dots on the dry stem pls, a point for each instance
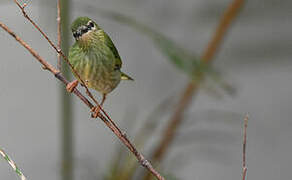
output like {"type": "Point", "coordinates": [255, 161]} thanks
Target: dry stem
{"type": "Point", "coordinates": [12, 164]}
{"type": "Point", "coordinates": [192, 87]}
{"type": "Point", "coordinates": [244, 167]}
{"type": "Point", "coordinates": [59, 33]}
{"type": "Point", "coordinates": [106, 119]}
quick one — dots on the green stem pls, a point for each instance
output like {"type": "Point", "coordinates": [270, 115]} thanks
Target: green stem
{"type": "Point", "coordinates": [12, 164]}
{"type": "Point", "coordinates": [66, 102]}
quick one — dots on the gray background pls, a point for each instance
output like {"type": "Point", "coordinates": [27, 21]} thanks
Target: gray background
{"type": "Point", "coordinates": [255, 57]}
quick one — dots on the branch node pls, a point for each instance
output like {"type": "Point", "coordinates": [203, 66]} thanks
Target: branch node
{"type": "Point", "coordinates": [124, 134]}
{"type": "Point", "coordinates": [145, 163]}
{"type": "Point", "coordinates": [59, 50]}
{"type": "Point", "coordinates": [24, 5]}
{"type": "Point", "coordinates": [44, 68]}
{"type": "Point", "coordinates": [58, 74]}
{"type": "Point", "coordinates": [98, 115]}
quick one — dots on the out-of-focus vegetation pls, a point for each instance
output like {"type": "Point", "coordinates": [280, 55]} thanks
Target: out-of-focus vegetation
{"type": "Point", "coordinates": [124, 166]}
{"type": "Point", "coordinates": [179, 56]}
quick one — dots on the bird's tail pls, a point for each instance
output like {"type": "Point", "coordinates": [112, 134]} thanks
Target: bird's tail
{"type": "Point", "coordinates": [126, 77]}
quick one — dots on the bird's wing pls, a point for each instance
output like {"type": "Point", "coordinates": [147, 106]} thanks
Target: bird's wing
{"type": "Point", "coordinates": [109, 43]}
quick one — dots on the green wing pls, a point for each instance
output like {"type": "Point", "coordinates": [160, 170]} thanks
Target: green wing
{"type": "Point", "coordinates": [107, 40]}
{"type": "Point", "coordinates": [109, 43]}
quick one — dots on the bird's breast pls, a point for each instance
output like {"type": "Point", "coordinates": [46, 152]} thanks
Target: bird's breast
{"type": "Point", "coordinates": [96, 70]}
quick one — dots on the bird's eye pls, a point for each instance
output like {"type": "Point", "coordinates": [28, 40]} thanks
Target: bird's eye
{"type": "Point", "coordinates": [90, 25]}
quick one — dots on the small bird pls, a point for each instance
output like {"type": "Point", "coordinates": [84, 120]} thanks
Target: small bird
{"type": "Point", "coordinates": [95, 58]}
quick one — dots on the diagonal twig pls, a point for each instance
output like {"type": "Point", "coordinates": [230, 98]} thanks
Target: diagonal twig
{"type": "Point", "coordinates": [12, 164]}
{"type": "Point", "coordinates": [122, 136]}
{"type": "Point", "coordinates": [59, 51]}
{"type": "Point", "coordinates": [192, 87]}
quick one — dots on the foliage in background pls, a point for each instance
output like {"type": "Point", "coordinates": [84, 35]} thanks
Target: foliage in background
{"type": "Point", "coordinates": [123, 166]}
{"type": "Point", "coordinates": [179, 56]}
{"type": "Point", "coordinates": [182, 60]}
{"type": "Point", "coordinates": [66, 114]}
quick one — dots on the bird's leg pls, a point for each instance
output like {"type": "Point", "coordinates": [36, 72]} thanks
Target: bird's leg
{"type": "Point", "coordinates": [103, 99]}
{"type": "Point", "coordinates": [95, 110]}
{"type": "Point", "coordinates": [71, 86]}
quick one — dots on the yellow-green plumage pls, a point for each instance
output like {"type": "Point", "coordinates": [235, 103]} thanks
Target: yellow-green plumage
{"type": "Point", "coordinates": [95, 57]}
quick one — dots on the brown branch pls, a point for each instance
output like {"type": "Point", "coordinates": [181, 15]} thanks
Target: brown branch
{"type": "Point", "coordinates": [122, 136]}
{"type": "Point", "coordinates": [193, 86]}
{"type": "Point", "coordinates": [244, 167]}
{"type": "Point", "coordinates": [59, 51]}
{"type": "Point", "coordinates": [59, 33]}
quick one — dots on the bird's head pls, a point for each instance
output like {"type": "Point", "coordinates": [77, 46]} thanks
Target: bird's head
{"type": "Point", "coordinates": [83, 26]}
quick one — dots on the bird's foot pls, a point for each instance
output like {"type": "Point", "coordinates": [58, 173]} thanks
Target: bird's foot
{"type": "Point", "coordinates": [95, 111]}
{"type": "Point", "coordinates": [71, 86]}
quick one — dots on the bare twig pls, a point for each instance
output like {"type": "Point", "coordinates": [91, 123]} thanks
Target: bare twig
{"type": "Point", "coordinates": [244, 173]}
{"type": "Point", "coordinates": [244, 166]}
{"type": "Point", "coordinates": [106, 119]}
{"type": "Point", "coordinates": [59, 33]}
{"type": "Point", "coordinates": [12, 164]}
{"type": "Point", "coordinates": [192, 87]}
{"type": "Point", "coordinates": [59, 51]}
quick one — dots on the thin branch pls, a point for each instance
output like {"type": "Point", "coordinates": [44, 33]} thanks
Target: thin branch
{"type": "Point", "coordinates": [12, 164]}
{"type": "Point", "coordinates": [244, 173]}
{"type": "Point", "coordinates": [192, 87]}
{"type": "Point", "coordinates": [59, 33]}
{"type": "Point", "coordinates": [59, 51]}
{"type": "Point", "coordinates": [244, 166]}
{"type": "Point", "coordinates": [106, 119]}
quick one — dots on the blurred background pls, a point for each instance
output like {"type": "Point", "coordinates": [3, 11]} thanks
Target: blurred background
{"type": "Point", "coordinates": [43, 130]}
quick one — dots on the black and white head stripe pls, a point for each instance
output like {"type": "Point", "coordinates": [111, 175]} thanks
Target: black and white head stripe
{"type": "Point", "coordinates": [84, 29]}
